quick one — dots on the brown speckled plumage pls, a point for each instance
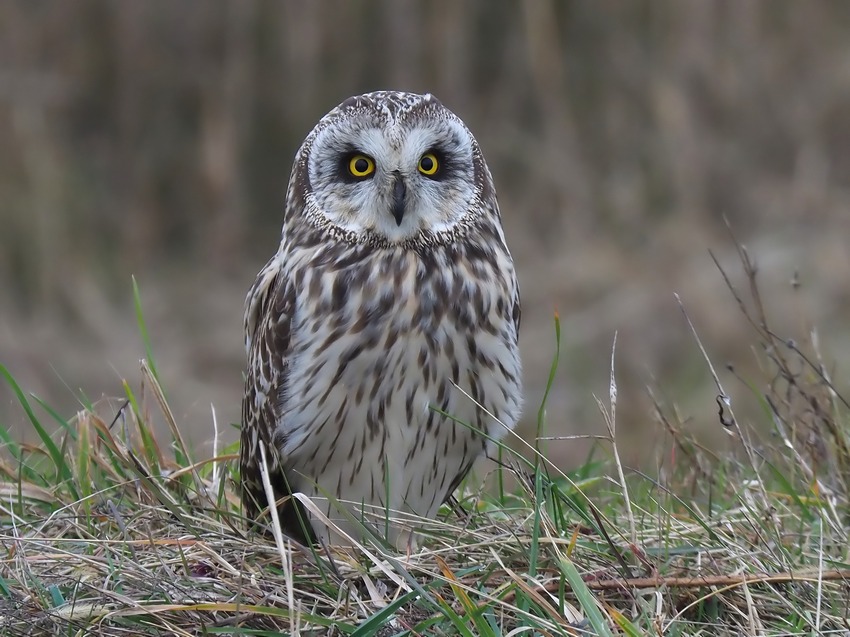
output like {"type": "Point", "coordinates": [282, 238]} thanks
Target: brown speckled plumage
{"type": "Point", "coordinates": [361, 325]}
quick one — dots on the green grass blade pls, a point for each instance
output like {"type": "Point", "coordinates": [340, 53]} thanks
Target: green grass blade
{"type": "Point", "coordinates": [585, 598]}
{"type": "Point", "coordinates": [4, 588]}
{"type": "Point", "coordinates": [458, 622]}
{"type": "Point", "coordinates": [143, 329]}
{"type": "Point", "coordinates": [379, 619]}
{"type": "Point", "coordinates": [550, 381]}
{"type": "Point", "coordinates": [56, 456]}
{"type": "Point", "coordinates": [534, 549]}
{"type": "Point", "coordinates": [625, 625]}
{"type": "Point", "coordinates": [10, 443]}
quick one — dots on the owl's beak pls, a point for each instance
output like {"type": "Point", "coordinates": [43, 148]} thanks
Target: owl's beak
{"type": "Point", "coordinates": [399, 196]}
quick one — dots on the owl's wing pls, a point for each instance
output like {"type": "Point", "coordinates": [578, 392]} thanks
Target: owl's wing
{"type": "Point", "coordinates": [516, 312]}
{"type": "Point", "coordinates": [514, 316]}
{"type": "Point", "coordinates": [268, 315]}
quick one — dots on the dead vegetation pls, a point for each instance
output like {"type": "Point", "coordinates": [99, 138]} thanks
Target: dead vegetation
{"type": "Point", "coordinates": [108, 530]}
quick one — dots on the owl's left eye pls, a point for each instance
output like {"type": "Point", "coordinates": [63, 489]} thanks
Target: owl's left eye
{"type": "Point", "coordinates": [361, 165]}
{"type": "Point", "coordinates": [429, 165]}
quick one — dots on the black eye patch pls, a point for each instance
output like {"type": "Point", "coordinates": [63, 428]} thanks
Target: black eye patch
{"type": "Point", "coordinates": [441, 163]}
{"type": "Point", "coordinates": [354, 166]}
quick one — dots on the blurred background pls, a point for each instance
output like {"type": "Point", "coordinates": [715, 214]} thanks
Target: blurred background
{"type": "Point", "coordinates": [155, 139]}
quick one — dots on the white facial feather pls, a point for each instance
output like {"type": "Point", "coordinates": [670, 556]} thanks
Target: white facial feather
{"type": "Point", "coordinates": [364, 206]}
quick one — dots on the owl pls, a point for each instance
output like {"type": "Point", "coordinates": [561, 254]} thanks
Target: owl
{"type": "Point", "coordinates": [382, 335]}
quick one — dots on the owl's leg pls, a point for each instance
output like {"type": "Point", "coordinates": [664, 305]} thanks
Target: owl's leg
{"type": "Point", "coordinates": [291, 513]}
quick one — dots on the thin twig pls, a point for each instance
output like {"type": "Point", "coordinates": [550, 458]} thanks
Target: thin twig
{"type": "Point", "coordinates": [625, 584]}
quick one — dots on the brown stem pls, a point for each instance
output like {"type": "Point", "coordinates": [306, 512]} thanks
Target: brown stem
{"type": "Point", "coordinates": [699, 582]}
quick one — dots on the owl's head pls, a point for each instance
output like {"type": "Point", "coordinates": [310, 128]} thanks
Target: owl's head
{"type": "Point", "coordinates": [388, 167]}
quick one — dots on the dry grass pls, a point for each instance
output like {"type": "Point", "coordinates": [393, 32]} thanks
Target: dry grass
{"type": "Point", "coordinates": [108, 530]}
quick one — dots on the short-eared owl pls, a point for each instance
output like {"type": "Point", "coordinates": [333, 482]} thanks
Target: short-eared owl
{"type": "Point", "coordinates": [382, 336]}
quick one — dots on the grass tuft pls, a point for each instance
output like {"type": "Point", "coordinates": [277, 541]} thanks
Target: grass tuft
{"type": "Point", "coordinates": [108, 528]}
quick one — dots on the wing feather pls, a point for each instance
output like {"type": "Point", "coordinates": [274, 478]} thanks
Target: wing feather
{"type": "Point", "coordinates": [268, 315]}
{"type": "Point", "coordinates": [514, 317]}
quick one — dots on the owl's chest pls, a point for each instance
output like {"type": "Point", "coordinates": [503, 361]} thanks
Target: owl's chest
{"type": "Point", "coordinates": [377, 358]}
{"type": "Point", "coordinates": [383, 340]}
{"type": "Point", "coordinates": [366, 324]}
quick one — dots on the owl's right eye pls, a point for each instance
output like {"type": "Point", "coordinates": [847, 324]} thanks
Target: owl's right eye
{"type": "Point", "coordinates": [361, 166]}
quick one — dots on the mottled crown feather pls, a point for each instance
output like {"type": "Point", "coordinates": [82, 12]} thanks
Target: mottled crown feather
{"type": "Point", "coordinates": [393, 105]}
{"type": "Point", "coordinates": [384, 109]}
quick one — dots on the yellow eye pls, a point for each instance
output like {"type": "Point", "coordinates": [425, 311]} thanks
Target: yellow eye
{"type": "Point", "coordinates": [361, 165]}
{"type": "Point", "coordinates": [429, 164]}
